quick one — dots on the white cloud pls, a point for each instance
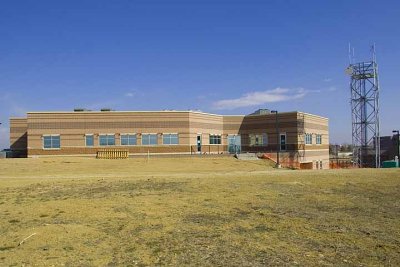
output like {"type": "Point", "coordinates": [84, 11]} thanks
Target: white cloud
{"type": "Point", "coordinates": [327, 80]}
{"type": "Point", "coordinates": [261, 97]}
{"type": "Point", "coordinates": [135, 93]}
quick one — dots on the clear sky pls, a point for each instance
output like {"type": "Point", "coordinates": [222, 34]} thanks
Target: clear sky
{"type": "Point", "coordinates": [225, 57]}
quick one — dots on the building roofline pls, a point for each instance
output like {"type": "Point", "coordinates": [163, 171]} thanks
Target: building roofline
{"type": "Point", "coordinates": [161, 111]}
{"type": "Point", "coordinates": [313, 115]}
{"type": "Point", "coordinates": [121, 111]}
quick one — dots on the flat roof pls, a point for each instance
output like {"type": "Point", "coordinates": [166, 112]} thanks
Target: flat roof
{"type": "Point", "coordinates": [121, 111]}
{"type": "Point", "coordinates": [162, 111]}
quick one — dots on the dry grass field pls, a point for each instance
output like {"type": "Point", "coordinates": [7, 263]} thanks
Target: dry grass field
{"type": "Point", "coordinates": [195, 212]}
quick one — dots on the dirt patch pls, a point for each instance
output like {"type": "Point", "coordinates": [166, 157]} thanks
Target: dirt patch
{"type": "Point", "coordinates": [195, 212]}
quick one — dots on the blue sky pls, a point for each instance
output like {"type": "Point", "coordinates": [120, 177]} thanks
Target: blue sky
{"type": "Point", "coordinates": [226, 57]}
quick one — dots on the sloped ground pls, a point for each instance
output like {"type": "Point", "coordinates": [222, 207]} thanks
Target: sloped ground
{"type": "Point", "coordinates": [195, 211]}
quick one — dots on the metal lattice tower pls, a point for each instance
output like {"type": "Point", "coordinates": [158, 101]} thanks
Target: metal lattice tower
{"type": "Point", "coordinates": [364, 88]}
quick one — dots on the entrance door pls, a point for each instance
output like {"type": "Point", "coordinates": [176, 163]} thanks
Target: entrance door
{"type": "Point", "coordinates": [198, 143]}
{"type": "Point", "coordinates": [234, 144]}
{"type": "Point", "coordinates": [283, 142]}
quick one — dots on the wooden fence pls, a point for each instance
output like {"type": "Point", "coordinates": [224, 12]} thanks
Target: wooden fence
{"type": "Point", "coordinates": [112, 154]}
{"type": "Point", "coordinates": [341, 163]}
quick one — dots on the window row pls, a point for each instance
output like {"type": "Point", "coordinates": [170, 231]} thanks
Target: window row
{"type": "Point", "coordinates": [53, 141]}
{"type": "Point", "coordinates": [309, 139]}
{"type": "Point", "coordinates": [131, 139]}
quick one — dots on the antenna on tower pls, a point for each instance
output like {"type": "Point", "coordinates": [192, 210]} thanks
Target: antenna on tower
{"type": "Point", "coordinates": [373, 52]}
{"type": "Point", "coordinates": [349, 53]}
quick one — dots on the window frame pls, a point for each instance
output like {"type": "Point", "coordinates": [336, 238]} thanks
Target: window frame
{"type": "Point", "coordinates": [86, 143]}
{"type": "Point", "coordinates": [170, 138]}
{"type": "Point", "coordinates": [51, 141]}
{"type": "Point", "coordinates": [215, 137]}
{"type": "Point", "coordinates": [107, 135]}
{"type": "Point", "coordinates": [149, 134]}
{"type": "Point", "coordinates": [318, 139]}
{"type": "Point", "coordinates": [264, 141]}
{"type": "Point", "coordinates": [128, 134]}
{"type": "Point", "coordinates": [308, 141]}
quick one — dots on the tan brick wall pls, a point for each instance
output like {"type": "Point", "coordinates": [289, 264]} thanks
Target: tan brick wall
{"type": "Point", "coordinates": [204, 124]}
{"type": "Point", "coordinates": [92, 150]}
{"type": "Point", "coordinates": [316, 153]}
{"type": "Point", "coordinates": [72, 127]}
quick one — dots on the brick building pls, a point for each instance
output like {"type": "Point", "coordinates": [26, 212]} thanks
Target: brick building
{"type": "Point", "coordinates": [303, 138]}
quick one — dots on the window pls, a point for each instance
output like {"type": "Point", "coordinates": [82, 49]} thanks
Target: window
{"type": "Point", "coordinates": [51, 141]}
{"type": "Point", "coordinates": [89, 140]}
{"type": "Point", "coordinates": [107, 139]}
{"type": "Point", "coordinates": [265, 139]}
{"type": "Point", "coordinates": [308, 138]}
{"type": "Point", "coordinates": [149, 139]}
{"type": "Point", "coordinates": [170, 139]}
{"type": "Point", "coordinates": [258, 139]}
{"type": "Point", "coordinates": [128, 139]}
{"type": "Point", "coordinates": [318, 139]}
{"type": "Point", "coordinates": [215, 139]}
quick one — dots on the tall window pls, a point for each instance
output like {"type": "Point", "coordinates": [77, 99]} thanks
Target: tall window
{"type": "Point", "coordinates": [258, 139]}
{"type": "Point", "coordinates": [128, 139]}
{"type": "Point", "coordinates": [318, 139]}
{"type": "Point", "coordinates": [89, 140]}
{"type": "Point", "coordinates": [170, 139]}
{"type": "Point", "coordinates": [51, 141]}
{"type": "Point", "coordinates": [149, 139]}
{"type": "Point", "coordinates": [107, 140]}
{"type": "Point", "coordinates": [215, 139]}
{"type": "Point", "coordinates": [308, 138]}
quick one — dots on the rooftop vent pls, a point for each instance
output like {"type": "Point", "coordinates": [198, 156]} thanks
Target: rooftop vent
{"type": "Point", "coordinates": [261, 111]}
{"type": "Point", "coordinates": [80, 109]}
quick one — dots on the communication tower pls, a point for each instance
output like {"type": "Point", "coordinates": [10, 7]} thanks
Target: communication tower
{"type": "Point", "coordinates": [364, 89]}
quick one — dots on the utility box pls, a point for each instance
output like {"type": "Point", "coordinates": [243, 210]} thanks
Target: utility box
{"type": "Point", "coordinates": [390, 164]}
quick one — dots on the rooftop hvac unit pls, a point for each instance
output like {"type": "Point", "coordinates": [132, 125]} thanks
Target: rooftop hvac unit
{"type": "Point", "coordinates": [80, 109]}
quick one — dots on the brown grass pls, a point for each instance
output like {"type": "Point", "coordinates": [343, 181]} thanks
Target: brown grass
{"type": "Point", "coordinates": [195, 211]}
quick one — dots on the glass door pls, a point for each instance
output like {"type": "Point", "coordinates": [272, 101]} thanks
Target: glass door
{"type": "Point", "coordinates": [234, 144]}
{"type": "Point", "coordinates": [282, 141]}
{"type": "Point", "coordinates": [198, 142]}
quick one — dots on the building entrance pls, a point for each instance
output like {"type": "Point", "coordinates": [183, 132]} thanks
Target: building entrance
{"type": "Point", "coordinates": [234, 144]}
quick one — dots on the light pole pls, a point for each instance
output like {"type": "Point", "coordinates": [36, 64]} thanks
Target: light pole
{"type": "Point", "coordinates": [278, 145]}
{"type": "Point", "coordinates": [398, 145]}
